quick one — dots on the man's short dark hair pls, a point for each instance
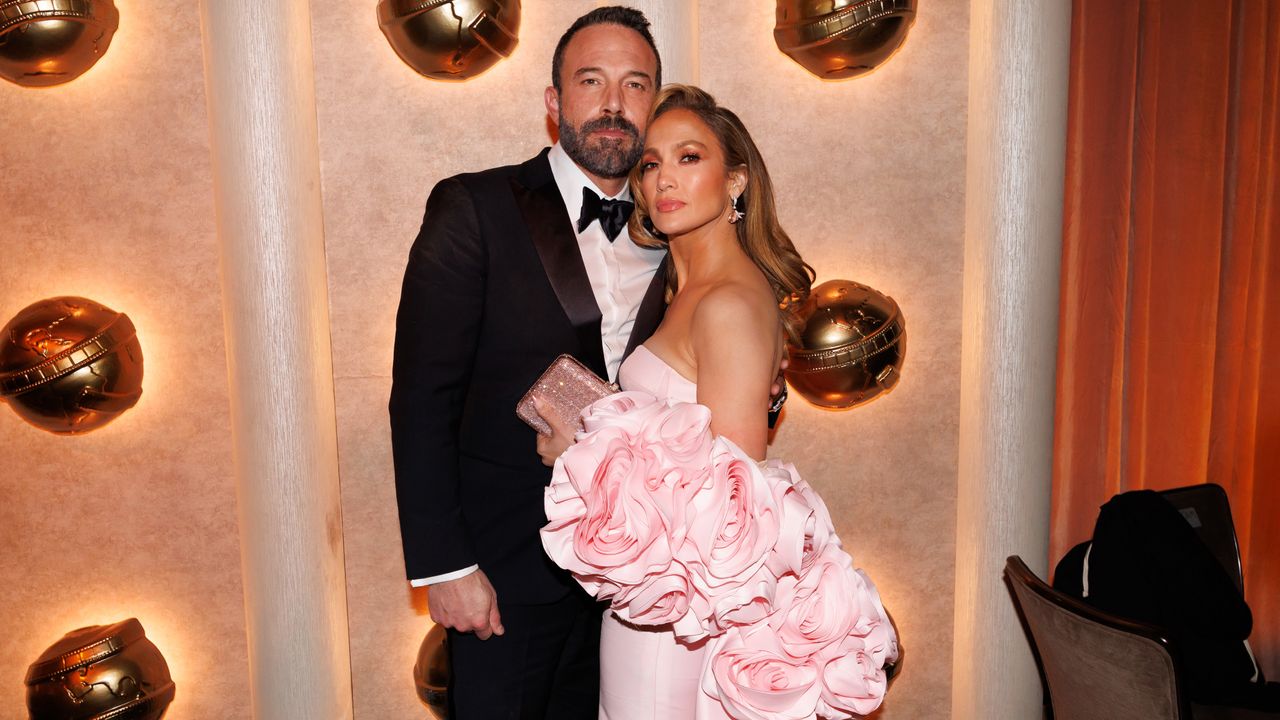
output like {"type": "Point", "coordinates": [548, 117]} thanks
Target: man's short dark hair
{"type": "Point", "coordinates": [612, 15]}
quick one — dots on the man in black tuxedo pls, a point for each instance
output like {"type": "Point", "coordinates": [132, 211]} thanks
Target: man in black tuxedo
{"type": "Point", "coordinates": [512, 267]}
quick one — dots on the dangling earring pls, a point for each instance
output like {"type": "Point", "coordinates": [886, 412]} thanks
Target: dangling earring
{"type": "Point", "coordinates": [647, 223]}
{"type": "Point", "coordinates": [736, 202]}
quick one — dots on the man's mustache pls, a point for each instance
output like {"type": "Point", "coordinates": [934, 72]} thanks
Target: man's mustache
{"type": "Point", "coordinates": [610, 122]}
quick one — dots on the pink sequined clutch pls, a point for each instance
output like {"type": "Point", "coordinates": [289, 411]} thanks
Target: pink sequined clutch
{"type": "Point", "coordinates": [567, 386]}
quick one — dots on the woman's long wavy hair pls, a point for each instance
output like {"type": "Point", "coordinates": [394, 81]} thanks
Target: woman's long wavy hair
{"type": "Point", "coordinates": [759, 233]}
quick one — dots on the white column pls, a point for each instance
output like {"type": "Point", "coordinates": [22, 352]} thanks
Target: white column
{"type": "Point", "coordinates": [674, 24]}
{"type": "Point", "coordinates": [262, 114]}
{"type": "Point", "coordinates": [1018, 60]}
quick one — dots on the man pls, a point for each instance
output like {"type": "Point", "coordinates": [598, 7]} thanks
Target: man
{"type": "Point", "coordinates": [513, 267]}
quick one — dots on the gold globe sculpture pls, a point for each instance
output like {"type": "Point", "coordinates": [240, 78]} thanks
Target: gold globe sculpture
{"type": "Point", "coordinates": [838, 39]}
{"type": "Point", "coordinates": [851, 348]}
{"type": "Point", "coordinates": [450, 39]}
{"type": "Point", "coordinates": [431, 672]}
{"type": "Point", "coordinates": [49, 42]}
{"type": "Point", "coordinates": [100, 672]}
{"type": "Point", "coordinates": [70, 365]}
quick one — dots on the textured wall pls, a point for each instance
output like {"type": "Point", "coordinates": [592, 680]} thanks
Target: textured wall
{"type": "Point", "coordinates": [106, 193]}
{"type": "Point", "coordinates": [870, 179]}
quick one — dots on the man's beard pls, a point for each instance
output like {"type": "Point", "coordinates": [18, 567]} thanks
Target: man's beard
{"type": "Point", "coordinates": [602, 157]}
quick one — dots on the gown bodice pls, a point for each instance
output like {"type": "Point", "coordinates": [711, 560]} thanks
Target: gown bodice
{"type": "Point", "coordinates": [643, 370]}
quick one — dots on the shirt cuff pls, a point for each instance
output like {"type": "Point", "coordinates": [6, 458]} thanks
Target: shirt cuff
{"type": "Point", "coordinates": [423, 582]}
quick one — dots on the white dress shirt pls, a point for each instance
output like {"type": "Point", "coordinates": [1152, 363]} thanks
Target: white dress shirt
{"type": "Point", "coordinates": [619, 271]}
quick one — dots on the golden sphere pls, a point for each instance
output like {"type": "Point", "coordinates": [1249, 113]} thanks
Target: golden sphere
{"type": "Point", "coordinates": [837, 39]}
{"type": "Point", "coordinates": [49, 42]}
{"type": "Point", "coordinates": [851, 347]}
{"type": "Point", "coordinates": [70, 365]}
{"type": "Point", "coordinates": [450, 39]}
{"type": "Point", "coordinates": [431, 672]}
{"type": "Point", "coordinates": [99, 672]}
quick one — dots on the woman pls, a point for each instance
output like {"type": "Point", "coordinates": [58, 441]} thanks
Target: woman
{"type": "Point", "coordinates": [734, 280]}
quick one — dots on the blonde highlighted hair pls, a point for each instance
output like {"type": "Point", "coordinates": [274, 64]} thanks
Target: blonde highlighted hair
{"type": "Point", "coordinates": [759, 232]}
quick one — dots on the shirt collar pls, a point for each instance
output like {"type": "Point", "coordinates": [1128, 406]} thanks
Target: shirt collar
{"type": "Point", "coordinates": [570, 180]}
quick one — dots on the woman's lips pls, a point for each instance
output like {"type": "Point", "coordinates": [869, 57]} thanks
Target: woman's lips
{"type": "Point", "coordinates": [668, 205]}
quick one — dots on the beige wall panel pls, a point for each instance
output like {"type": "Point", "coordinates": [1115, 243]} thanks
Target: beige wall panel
{"type": "Point", "coordinates": [106, 193]}
{"type": "Point", "coordinates": [870, 176]}
{"type": "Point", "coordinates": [387, 135]}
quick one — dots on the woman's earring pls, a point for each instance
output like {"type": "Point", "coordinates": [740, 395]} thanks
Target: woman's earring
{"type": "Point", "coordinates": [647, 223]}
{"type": "Point", "coordinates": [739, 206]}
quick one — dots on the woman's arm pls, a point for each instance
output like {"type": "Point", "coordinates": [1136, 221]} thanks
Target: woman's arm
{"type": "Point", "coordinates": [735, 340]}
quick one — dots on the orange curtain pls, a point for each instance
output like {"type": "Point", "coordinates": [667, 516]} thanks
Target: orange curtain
{"type": "Point", "coordinates": [1169, 346]}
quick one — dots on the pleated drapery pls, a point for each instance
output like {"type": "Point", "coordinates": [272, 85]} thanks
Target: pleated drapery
{"type": "Point", "coordinates": [1169, 335]}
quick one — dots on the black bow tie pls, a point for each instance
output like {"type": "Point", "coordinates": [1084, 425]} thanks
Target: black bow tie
{"type": "Point", "coordinates": [612, 214]}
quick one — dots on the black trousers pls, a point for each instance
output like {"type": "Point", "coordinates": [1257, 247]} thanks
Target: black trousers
{"type": "Point", "coordinates": [545, 666]}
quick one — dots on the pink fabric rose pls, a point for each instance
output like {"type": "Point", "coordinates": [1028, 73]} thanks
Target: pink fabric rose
{"type": "Point", "coordinates": [602, 524]}
{"type": "Point", "coordinates": [750, 675]}
{"type": "Point", "coordinates": [668, 598]}
{"type": "Point", "coordinates": [853, 677]}
{"type": "Point", "coordinates": [747, 605]}
{"type": "Point", "coordinates": [732, 522]}
{"type": "Point", "coordinates": [853, 682]}
{"type": "Point", "coordinates": [684, 434]}
{"type": "Point", "coordinates": [821, 607]}
{"type": "Point", "coordinates": [805, 527]}
{"type": "Point", "coordinates": [625, 411]}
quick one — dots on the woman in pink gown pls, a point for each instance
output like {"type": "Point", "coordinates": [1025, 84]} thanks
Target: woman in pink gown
{"type": "Point", "coordinates": [703, 191]}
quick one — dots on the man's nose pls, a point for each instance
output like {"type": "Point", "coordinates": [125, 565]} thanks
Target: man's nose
{"type": "Point", "coordinates": [612, 101]}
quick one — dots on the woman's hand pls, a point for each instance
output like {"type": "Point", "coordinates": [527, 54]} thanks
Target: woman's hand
{"type": "Point", "coordinates": [562, 434]}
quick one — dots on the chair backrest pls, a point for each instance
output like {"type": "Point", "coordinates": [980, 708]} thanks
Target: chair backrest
{"type": "Point", "coordinates": [1206, 507]}
{"type": "Point", "coordinates": [1094, 664]}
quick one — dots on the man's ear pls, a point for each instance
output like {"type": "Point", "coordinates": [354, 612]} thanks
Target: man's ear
{"type": "Point", "coordinates": [552, 100]}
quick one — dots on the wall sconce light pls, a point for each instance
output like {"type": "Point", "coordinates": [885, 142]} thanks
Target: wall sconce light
{"type": "Point", "coordinates": [450, 39]}
{"type": "Point", "coordinates": [852, 345]}
{"type": "Point", "coordinates": [70, 365]}
{"type": "Point", "coordinates": [431, 672]}
{"type": "Point", "coordinates": [49, 42]}
{"type": "Point", "coordinates": [840, 39]}
{"type": "Point", "coordinates": [100, 671]}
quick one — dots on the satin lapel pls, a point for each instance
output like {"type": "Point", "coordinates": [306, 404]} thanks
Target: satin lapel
{"type": "Point", "coordinates": [552, 235]}
{"type": "Point", "coordinates": [652, 308]}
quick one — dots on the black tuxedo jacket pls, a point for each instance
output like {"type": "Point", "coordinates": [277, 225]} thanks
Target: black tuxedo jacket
{"type": "Point", "coordinates": [495, 289]}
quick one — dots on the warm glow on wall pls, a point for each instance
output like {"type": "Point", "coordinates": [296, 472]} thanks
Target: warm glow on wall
{"type": "Point", "coordinates": [70, 365]}
{"type": "Point", "coordinates": [454, 40]}
{"type": "Point", "coordinates": [842, 39]}
{"type": "Point", "coordinates": [50, 42]}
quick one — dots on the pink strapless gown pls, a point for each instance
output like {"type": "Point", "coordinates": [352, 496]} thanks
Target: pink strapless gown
{"type": "Point", "coordinates": [644, 673]}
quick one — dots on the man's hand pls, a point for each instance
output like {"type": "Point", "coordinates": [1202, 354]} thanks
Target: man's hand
{"type": "Point", "coordinates": [467, 604]}
{"type": "Point", "coordinates": [552, 446]}
{"type": "Point", "coordinates": [778, 392]}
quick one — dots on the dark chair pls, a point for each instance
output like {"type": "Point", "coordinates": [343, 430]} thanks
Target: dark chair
{"type": "Point", "coordinates": [1207, 509]}
{"type": "Point", "coordinates": [1096, 665]}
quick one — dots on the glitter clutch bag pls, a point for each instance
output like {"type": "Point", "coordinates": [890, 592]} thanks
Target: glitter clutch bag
{"type": "Point", "coordinates": [567, 386]}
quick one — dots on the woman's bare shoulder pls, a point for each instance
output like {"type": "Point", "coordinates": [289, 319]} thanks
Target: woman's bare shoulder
{"type": "Point", "coordinates": [742, 308]}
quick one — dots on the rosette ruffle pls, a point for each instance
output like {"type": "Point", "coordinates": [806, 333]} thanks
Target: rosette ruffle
{"type": "Point", "coordinates": [676, 527]}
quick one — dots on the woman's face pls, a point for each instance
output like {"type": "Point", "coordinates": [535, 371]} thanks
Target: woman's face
{"type": "Point", "coordinates": [683, 176]}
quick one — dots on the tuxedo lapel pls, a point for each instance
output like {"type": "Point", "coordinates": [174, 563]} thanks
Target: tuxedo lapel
{"type": "Point", "coordinates": [652, 308]}
{"type": "Point", "coordinates": [549, 228]}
